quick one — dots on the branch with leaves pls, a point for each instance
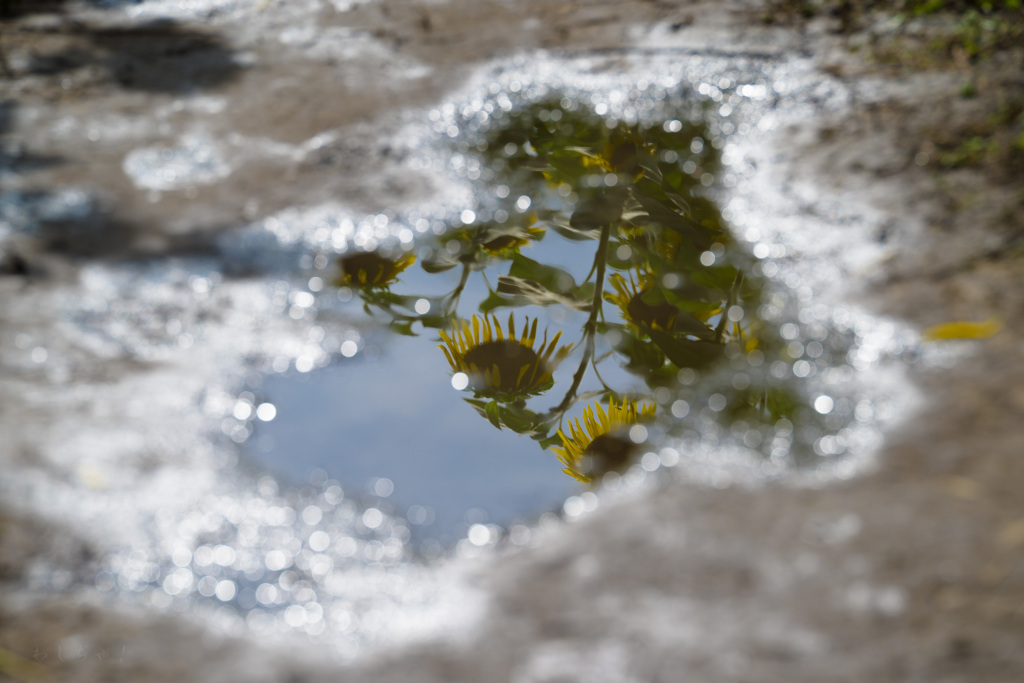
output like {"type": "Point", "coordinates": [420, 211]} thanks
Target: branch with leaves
{"type": "Point", "coordinates": [666, 290]}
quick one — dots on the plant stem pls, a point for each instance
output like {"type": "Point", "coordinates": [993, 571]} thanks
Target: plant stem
{"type": "Point", "coordinates": [590, 327]}
{"type": "Point", "coordinates": [730, 300]}
{"type": "Point", "coordinates": [457, 292]}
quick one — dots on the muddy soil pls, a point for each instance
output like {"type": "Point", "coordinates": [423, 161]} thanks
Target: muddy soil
{"type": "Point", "coordinates": [913, 571]}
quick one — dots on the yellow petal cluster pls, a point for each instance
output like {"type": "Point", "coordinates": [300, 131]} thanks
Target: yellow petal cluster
{"type": "Point", "coordinates": [962, 329]}
{"type": "Point", "coordinates": [502, 366]}
{"type": "Point", "coordinates": [597, 423]}
{"type": "Point", "coordinates": [628, 297]}
{"type": "Point", "coordinates": [371, 269]}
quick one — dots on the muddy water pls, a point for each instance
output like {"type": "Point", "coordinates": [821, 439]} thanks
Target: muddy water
{"type": "Point", "coordinates": [149, 457]}
{"type": "Point", "coordinates": [190, 396]}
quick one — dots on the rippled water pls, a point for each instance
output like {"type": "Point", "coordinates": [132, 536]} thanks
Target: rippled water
{"type": "Point", "coordinates": [144, 385]}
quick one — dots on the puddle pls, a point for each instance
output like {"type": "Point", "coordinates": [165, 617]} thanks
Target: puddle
{"type": "Point", "coordinates": [593, 300]}
{"type": "Point", "coordinates": [392, 426]}
{"type": "Point", "coordinates": [294, 456]}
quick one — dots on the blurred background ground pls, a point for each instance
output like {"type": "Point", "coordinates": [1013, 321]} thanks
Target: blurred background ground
{"type": "Point", "coordinates": [912, 572]}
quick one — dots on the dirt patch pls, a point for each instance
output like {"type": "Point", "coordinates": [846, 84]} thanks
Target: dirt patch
{"type": "Point", "coordinates": [914, 572]}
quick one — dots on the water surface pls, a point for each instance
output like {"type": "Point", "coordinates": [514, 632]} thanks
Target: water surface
{"type": "Point", "coordinates": [140, 379]}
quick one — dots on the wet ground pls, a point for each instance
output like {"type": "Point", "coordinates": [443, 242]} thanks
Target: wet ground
{"type": "Point", "coordinates": [176, 177]}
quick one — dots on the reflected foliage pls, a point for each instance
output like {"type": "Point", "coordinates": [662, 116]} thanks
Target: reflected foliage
{"type": "Point", "coordinates": [502, 367]}
{"type": "Point", "coordinates": [369, 269]}
{"type": "Point", "coordinates": [666, 292]}
{"type": "Point", "coordinates": [602, 441]}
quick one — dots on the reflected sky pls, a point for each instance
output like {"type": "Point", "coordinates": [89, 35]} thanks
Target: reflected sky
{"type": "Point", "coordinates": [609, 230]}
{"type": "Point", "coordinates": [690, 340]}
{"type": "Point", "coordinates": [392, 412]}
{"type": "Point", "coordinates": [258, 325]}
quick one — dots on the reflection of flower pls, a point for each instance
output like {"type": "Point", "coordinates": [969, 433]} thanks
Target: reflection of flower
{"type": "Point", "coordinates": [371, 269]}
{"type": "Point", "coordinates": [621, 153]}
{"type": "Point", "coordinates": [601, 444]}
{"type": "Point", "coordinates": [499, 366]}
{"type": "Point", "coordinates": [510, 240]}
{"type": "Point", "coordinates": [629, 298]}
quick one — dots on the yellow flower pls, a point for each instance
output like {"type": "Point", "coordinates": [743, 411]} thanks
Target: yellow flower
{"type": "Point", "coordinates": [371, 269]}
{"type": "Point", "coordinates": [601, 443]}
{"type": "Point", "coordinates": [498, 366]}
{"type": "Point", "coordinates": [628, 297]}
{"type": "Point", "coordinates": [960, 329]}
{"type": "Point", "coordinates": [621, 153]}
{"type": "Point", "coordinates": [510, 240]}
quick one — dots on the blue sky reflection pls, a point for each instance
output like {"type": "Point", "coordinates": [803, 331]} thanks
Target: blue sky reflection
{"type": "Point", "coordinates": [392, 412]}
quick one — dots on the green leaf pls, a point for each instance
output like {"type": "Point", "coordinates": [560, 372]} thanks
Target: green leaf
{"type": "Point", "coordinates": [651, 170]}
{"type": "Point", "coordinates": [549, 277]}
{"type": "Point", "coordinates": [698, 304]}
{"type": "Point", "coordinates": [687, 257]}
{"type": "Point", "coordinates": [686, 353]}
{"type": "Point", "coordinates": [716, 277]}
{"type": "Point", "coordinates": [634, 213]}
{"type": "Point", "coordinates": [681, 203]}
{"type": "Point", "coordinates": [530, 292]}
{"type": "Point", "coordinates": [566, 230]}
{"type": "Point", "coordinates": [596, 211]}
{"type": "Point", "coordinates": [493, 301]}
{"type": "Point", "coordinates": [696, 234]}
{"type": "Point", "coordinates": [644, 357]}
{"type": "Point", "coordinates": [687, 323]}
{"type": "Point", "coordinates": [438, 265]}
{"type": "Point", "coordinates": [683, 322]}
{"type": "Point", "coordinates": [587, 396]}
{"type": "Point", "coordinates": [657, 210]}
{"type": "Point", "coordinates": [382, 297]}
{"type": "Point", "coordinates": [546, 442]}
{"type": "Point", "coordinates": [403, 327]}
{"type": "Point", "coordinates": [535, 164]}
{"type": "Point", "coordinates": [780, 402]}
{"type": "Point", "coordinates": [653, 296]}
{"type": "Point", "coordinates": [537, 283]}
{"type": "Point", "coordinates": [585, 151]}
{"type": "Point", "coordinates": [478, 405]}
{"type": "Point", "coordinates": [612, 255]}
{"type": "Point", "coordinates": [493, 413]}
{"type": "Point", "coordinates": [496, 238]}
{"type": "Point", "coordinates": [435, 321]}
{"type": "Point", "coordinates": [519, 420]}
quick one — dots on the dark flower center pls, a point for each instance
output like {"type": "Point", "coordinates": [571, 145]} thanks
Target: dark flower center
{"type": "Point", "coordinates": [607, 453]}
{"type": "Point", "coordinates": [502, 242]}
{"type": "Point", "coordinates": [624, 158]}
{"type": "Point", "coordinates": [509, 357]}
{"type": "Point", "coordinates": [377, 268]}
{"type": "Point", "coordinates": [662, 314]}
